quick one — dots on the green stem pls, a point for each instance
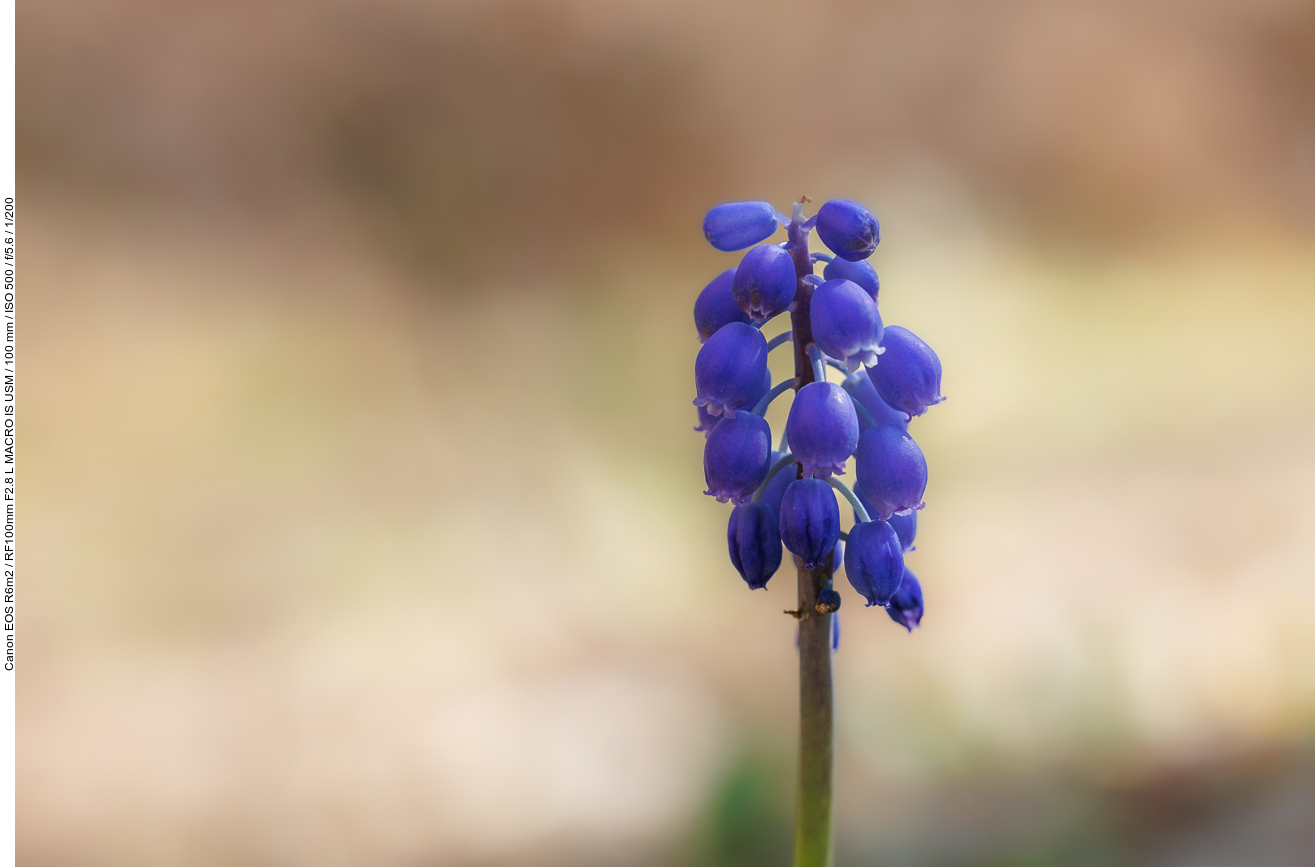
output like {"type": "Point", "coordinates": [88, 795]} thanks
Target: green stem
{"type": "Point", "coordinates": [812, 847]}
{"type": "Point", "coordinates": [859, 512]}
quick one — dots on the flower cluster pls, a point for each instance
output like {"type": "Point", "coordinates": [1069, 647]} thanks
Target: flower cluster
{"type": "Point", "coordinates": [788, 496]}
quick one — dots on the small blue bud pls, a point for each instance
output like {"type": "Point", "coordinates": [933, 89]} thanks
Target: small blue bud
{"type": "Point", "coordinates": [846, 324]}
{"type": "Point", "coordinates": [809, 520]}
{"type": "Point", "coordinates": [862, 391]}
{"type": "Point", "coordinates": [737, 225]}
{"type": "Point", "coordinates": [736, 456]}
{"type": "Point", "coordinates": [828, 601]}
{"type": "Point", "coordinates": [848, 228]}
{"type": "Point", "coordinates": [716, 307]}
{"type": "Point", "coordinates": [860, 272]}
{"type": "Point", "coordinates": [754, 542]}
{"type": "Point", "coordinates": [822, 429]}
{"type": "Point", "coordinates": [874, 563]}
{"type": "Point", "coordinates": [765, 281]}
{"type": "Point", "coordinates": [909, 375]}
{"type": "Point", "coordinates": [906, 527]}
{"type": "Point", "coordinates": [891, 471]}
{"type": "Point", "coordinates": [729, 369]}
{"type": "Point", "coordinates": [776, 487]}
{"type": "Point", "coordinates": [906, 605]}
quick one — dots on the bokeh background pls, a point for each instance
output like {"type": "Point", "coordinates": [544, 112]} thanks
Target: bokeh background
{"type": "Point", "coordinates": [361, 511]}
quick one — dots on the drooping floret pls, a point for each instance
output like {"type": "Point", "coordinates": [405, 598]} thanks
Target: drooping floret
{"type": "Point", "coordinates": [874, 562]}
{"type": "Point", "coordinates": [848, 228]}
{"type": "Point", "coordinates": [846, 324]}
{"type": "Point", "coordinates": [754, 542]}
{"type": "Point", "coordinates": [764, 283]}
{"type": "Point", "coordinates": [891, 471]}
{"type": "Point", "coordinates": [809, 520]}
{"type": "Point", "coordinates": [906, 605]}
{"type": "Point", "coordinates": [909, 375]}
{"type": "Point", "coordinates": [737, 225]}
{"type": "Point", "coordinates": [735, 457]}
{"type": "Point", "coordinates": [822, 429]}
{"type": "Point", "coordinates": [862, 391]}
{"type": "Point", "coordinates": [716, 307]}
{"type": "Point", "coordinates": [729, 369]}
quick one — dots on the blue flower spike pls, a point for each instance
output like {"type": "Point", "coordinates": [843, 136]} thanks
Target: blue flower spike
{"type": "Point", "coordinates": [764, 283]}
{"type": "Point", "coordinates": [849, 229]}
{"type": "Point", "coordinates": [909, 375]}
{"type": "Point", "coordinates": [729, 369]}
{"type": "Point", "coordinates": [737, 225]}
{"type": "Point", "coordinates": [906, 605]}
{"type": "Point", "coordinates": [809, 521]}
{"type": "Point", "coordinates": [846, 324]}
{"type": "Point", "coordinates": [716, 306]}
{"type": "Point", "coordinates": [822, 429]}
{"type": "Point", "coordinates": [754, 542]}
{"type": "Point", "coordinates": [874, 561]}
{"type": "Point", "coordinates": [736, 457]}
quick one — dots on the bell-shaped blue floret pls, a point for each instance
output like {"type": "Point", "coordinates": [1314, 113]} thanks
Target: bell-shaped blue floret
{"type": "Point", "coordinates": [737, 225]}
{"type": "Point", "coordinates": [736, 456]}
{"type": "Point", "coordinates": [906, 605]}
{"type": "Point", "coordinates": [848, 228]}
{"type": "Point", "coordinates": [716, 306]}
{"type": "Point", "coordinates": [862, 391]}
{"type": "Point", "coordinates": [755, 543]}
{"type": "Point", "coordinates": [810, 521]}
{"type": "Point", "coordinates": [891, 471]}
{"type": "Point", "coordinates": [846, 324]}
{"type": "Point", "coordinates": [906, 527]}
{"type": "Point", "coordinates": [776, 487]}
{"type": "Point", "coordinates": [729, 369]}
{"type": "Point", "coordinates": [874, 562]}
{"type": "Point", "coordinates": [707, 421]}
{"type": "Point", "coordinates": [764, 283]}
{"type": "Point", "coordinates": [822, 429]}
{"type": "Point", "coordinates": [860, 272]}
{"type": "Point", "coordinates": [909, 375]}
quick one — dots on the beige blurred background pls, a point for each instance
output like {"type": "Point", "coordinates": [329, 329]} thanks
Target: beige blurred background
{"type": "Point", "coordinates": [361, 513]}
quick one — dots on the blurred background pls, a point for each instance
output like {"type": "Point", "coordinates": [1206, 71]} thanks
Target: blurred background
{"type": "Point", "coordinates": [362, 517]}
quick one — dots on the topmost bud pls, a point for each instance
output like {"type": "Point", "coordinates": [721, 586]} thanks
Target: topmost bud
{"type": "Point", "coordinates": [848, 228]}
{"type": "Point", "coordinates": [738, 225]}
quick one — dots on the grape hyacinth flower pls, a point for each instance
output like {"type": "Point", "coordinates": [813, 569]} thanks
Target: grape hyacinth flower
{"type": "Point", "coordinates": [849, 229]}
{"type": "Point", "coordinates": [874, 561]}
{"type": "Point", "coordinates": [822, 429]}
{"type": "Point", "coordinates": [891, 471]}
{"type": "Point", "coordinates": [739, 225]}
{"type": "Point", "coordinates": [909, 376]}
{"type": "Point", "coordinates": [905, 606]}
{"type": "Point", "coordinates": [787, 497]}
{"type": "Point", "coordinates": [755, 543]}
{"type": "Point", "coordinates": [764, 282]}
{"type": "Point", "coordinates": [716, 306]}
{"type": "Point", "coordinates": [809, 521]}
{"type": "Point", "coordinates": [735, 458]}
{"type": "Point", "coordinates": [846, 324]}
{"type": "Point", "coordinates": [729, 370]}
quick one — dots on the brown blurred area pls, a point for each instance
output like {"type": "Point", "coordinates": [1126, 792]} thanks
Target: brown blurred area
{"type": "Point", "coordinates": [361, 517]}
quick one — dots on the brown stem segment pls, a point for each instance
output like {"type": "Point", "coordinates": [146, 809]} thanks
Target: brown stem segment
{"type": "Point", "coordinates": [816, 698]}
